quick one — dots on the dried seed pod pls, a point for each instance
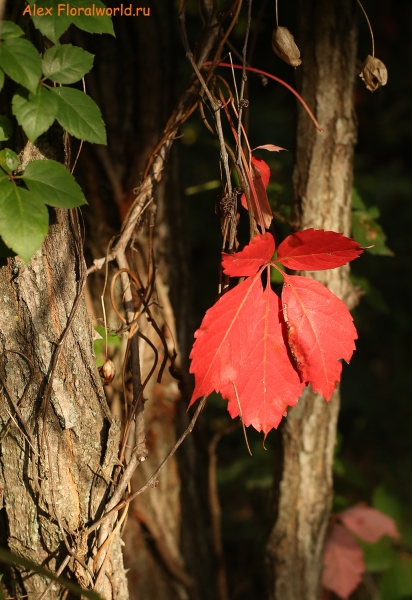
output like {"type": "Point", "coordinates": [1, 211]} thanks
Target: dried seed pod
{"type": "Point", "coordinates": [107, 371]}
{"type": "Point", "coordinates": [283, 44]}
{"type": "Point", "coordinates": [374, 73]}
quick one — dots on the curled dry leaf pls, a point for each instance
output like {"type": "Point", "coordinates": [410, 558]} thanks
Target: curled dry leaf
{"type": "Point", "coordinates": [107, 371]}
{"type": "Point", "coordinates": [374, 73]}
{"type": "Point", "coordinates": [283, 44]}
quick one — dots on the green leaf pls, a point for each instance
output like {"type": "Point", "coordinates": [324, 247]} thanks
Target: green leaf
{"type": "Point", "coordinates": [80, 116]}
{"type": "Point", "coordinates": [12, 559]}
{"type": "Point", "coordinates": [380, 556]}
{"type": "Point", "coordinates": [20, 60]}
{"type": "Point", "coordinates": [35, 113]}
{"type": "Point", "coordinates": [8, 160]}
{"type": "Point", "coordinates": [67, 63]}
{"type": "Point", "coordinates": [54, 25]}
{"type": "Point", "coordinates": [396, 582]}
{"type": "Point", "coordinates": [366, 231]}
{"type": "Point", "coordinates": [24, 219]}
{"type": "Point", "coordinates": [8, 29]}
{"type": "Point", "coordinates": [88, 18]}
{"type": "Point", "coordinates": [51, 181]}
{"type": "Point", "coordinates": [6, 128]}
{"type": "Point", "coordinates": [1, 79]}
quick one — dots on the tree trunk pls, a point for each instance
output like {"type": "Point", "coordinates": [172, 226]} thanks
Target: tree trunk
{"type": "Point", "coordinates": [55, 471]}
{"type": "Point", "coordinates": [323, 190]}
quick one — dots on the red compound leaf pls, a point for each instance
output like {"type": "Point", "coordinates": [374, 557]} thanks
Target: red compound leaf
{"type": "Point", "coordinates": [368, 523]}
{"type": "Point", "coordinates": [320, 332]}
{"type": "Point", "coordinates": [315, 249]}
{"type": "Point", "coordinates": [343, 562]}
{"type": "Point", "coordinates": [253, 256]}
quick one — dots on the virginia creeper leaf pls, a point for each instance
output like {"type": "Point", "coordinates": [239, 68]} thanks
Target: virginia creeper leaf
{"type": "Point", "coordinates": [270, 147]}
{"type": "Point", "coordinates": [23, 219]}
{"type": "Point", "coordinates": [368, 523]}
{"type": "Point", "coordinates": [6, 128]}
{"type": "Point", "coordinates": [8, 29]}
{"type": "Point", "coordinates": [253, 256]}
{"type": "Point", "coordinates": [52, 182]}
{"type": "Point", "coordinates": [396, 582]}
{"type": "Point", "coordinates": [66, 63]}
{"type": "Point", "coordinates": [222, 341]}
{"type": "Point", "coordinates": [54, 25]}
{"type": "Point", "coordinates": [95, 20]}
{"type": "Point", "coordinates": [320, 332]}
{"type": "Point", "coordinates": [258, 196]}
{"type": "Point", "coordinates": [315, 249]}
{"type": "Point", "coordinates": [343, 562]}
{"type": "Point", "coordinates": [20, 60]}
{"type": "Point", "coordinates": [267, 383]}
{"type": "Point", "coordinates": [35, 113]}
{"type": "Point", "coordinates": [79, 115]}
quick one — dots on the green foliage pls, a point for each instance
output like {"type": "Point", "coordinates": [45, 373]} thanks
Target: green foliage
{"type": "Point", "coordinates": [365, 228]}
{"type": "Point", "coordinates": [6, 128]}
{"type": "Point", "coordinates": [10, 30]}
{"type": "Point", "coordinates": [79, 115]}
{"type": "Point", "coordinates": [66, 63]}
{"type": "Point", "coordinates": [50, 181]}
{"type": "Point", "coordinates": [20, 60]}
{"type": "Point", "coordinates": [23, 218]}
{"type": "Point", "coordinates": [54, 25]}
{"type": "Point", "coordinates": [396, 582]}
{"type": "Point", "coordinates": [35, 113]}
{"type": "Point", "coordinates": [23, 214]}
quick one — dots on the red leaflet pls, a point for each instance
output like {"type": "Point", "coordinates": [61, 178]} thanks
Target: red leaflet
{"type": "Point", "coordinates": [223, 339]}
{"type": "Point", "coordinates": [343, 561]}
{"type": "Point", "coordinates": [320, 332]}
{"type": "Point", "coordinates": [270, 147]}
{"type": "Point", "coordinates": [253, 256]}
{"type": "Point", "coordinates": [314, 250]}
{"type": "Point", "coordinates": [368, 523]}
{"type": "Point", "coordinates": [258, 195]}
{"type": "Point", "coordinates": [267, 382]}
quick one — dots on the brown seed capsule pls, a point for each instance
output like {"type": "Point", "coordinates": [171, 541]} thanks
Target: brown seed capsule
{"type": "Point", "coordinates": [374, 73]}
{"type": "Point", "coordinates": [107, 371]}
{"type": "Point", "coordinates": [283, 44]}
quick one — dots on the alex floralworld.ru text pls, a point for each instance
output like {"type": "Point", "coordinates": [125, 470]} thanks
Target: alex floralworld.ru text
{"type": "Point", "coordinates": [91, 11]}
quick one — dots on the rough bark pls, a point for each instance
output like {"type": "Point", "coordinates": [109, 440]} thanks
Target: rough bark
{"type": "Point", "coordinates": [323, 189]}
{"type": "Point", "coordinates": [56, 472]}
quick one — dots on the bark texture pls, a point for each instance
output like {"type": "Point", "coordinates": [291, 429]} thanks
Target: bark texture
{"type": "Point", "coordinates": [55, 477]}
{"type": "Point", "coordinates": [323, 189]}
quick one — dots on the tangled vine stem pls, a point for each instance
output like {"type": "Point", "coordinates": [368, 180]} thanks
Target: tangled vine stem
{"type": "Point", "coordinates": [270, 76]}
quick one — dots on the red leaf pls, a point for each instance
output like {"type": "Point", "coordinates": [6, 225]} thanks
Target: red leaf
{"type": "Point", "coordinates": [368, 523]}
{"type": "Point", "coordinates": [314, 250]}
{"type": "Point", "coordinates": [269, 147]}
{"type": "Point", "coordinates": [343, 561]}
{"type": "Point", "coordinates": [258, 196]}
{"type": "Point", "coordinates": [223, 339]}
{"type": "Point", "coordinates": [253, 256]}
{"type": "Point", "coordinates": [320, 332]}
{"type": "Point", "coordinates": [267, 383]}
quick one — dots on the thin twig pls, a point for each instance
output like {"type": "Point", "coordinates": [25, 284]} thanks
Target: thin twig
{"type": "Point", "coordinates": [369, 25]}
{"type": "Point", "coordinates": [152, 481]}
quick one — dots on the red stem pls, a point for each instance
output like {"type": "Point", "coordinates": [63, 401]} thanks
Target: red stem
{"type": "Point", "coordinates": [270, 76]}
